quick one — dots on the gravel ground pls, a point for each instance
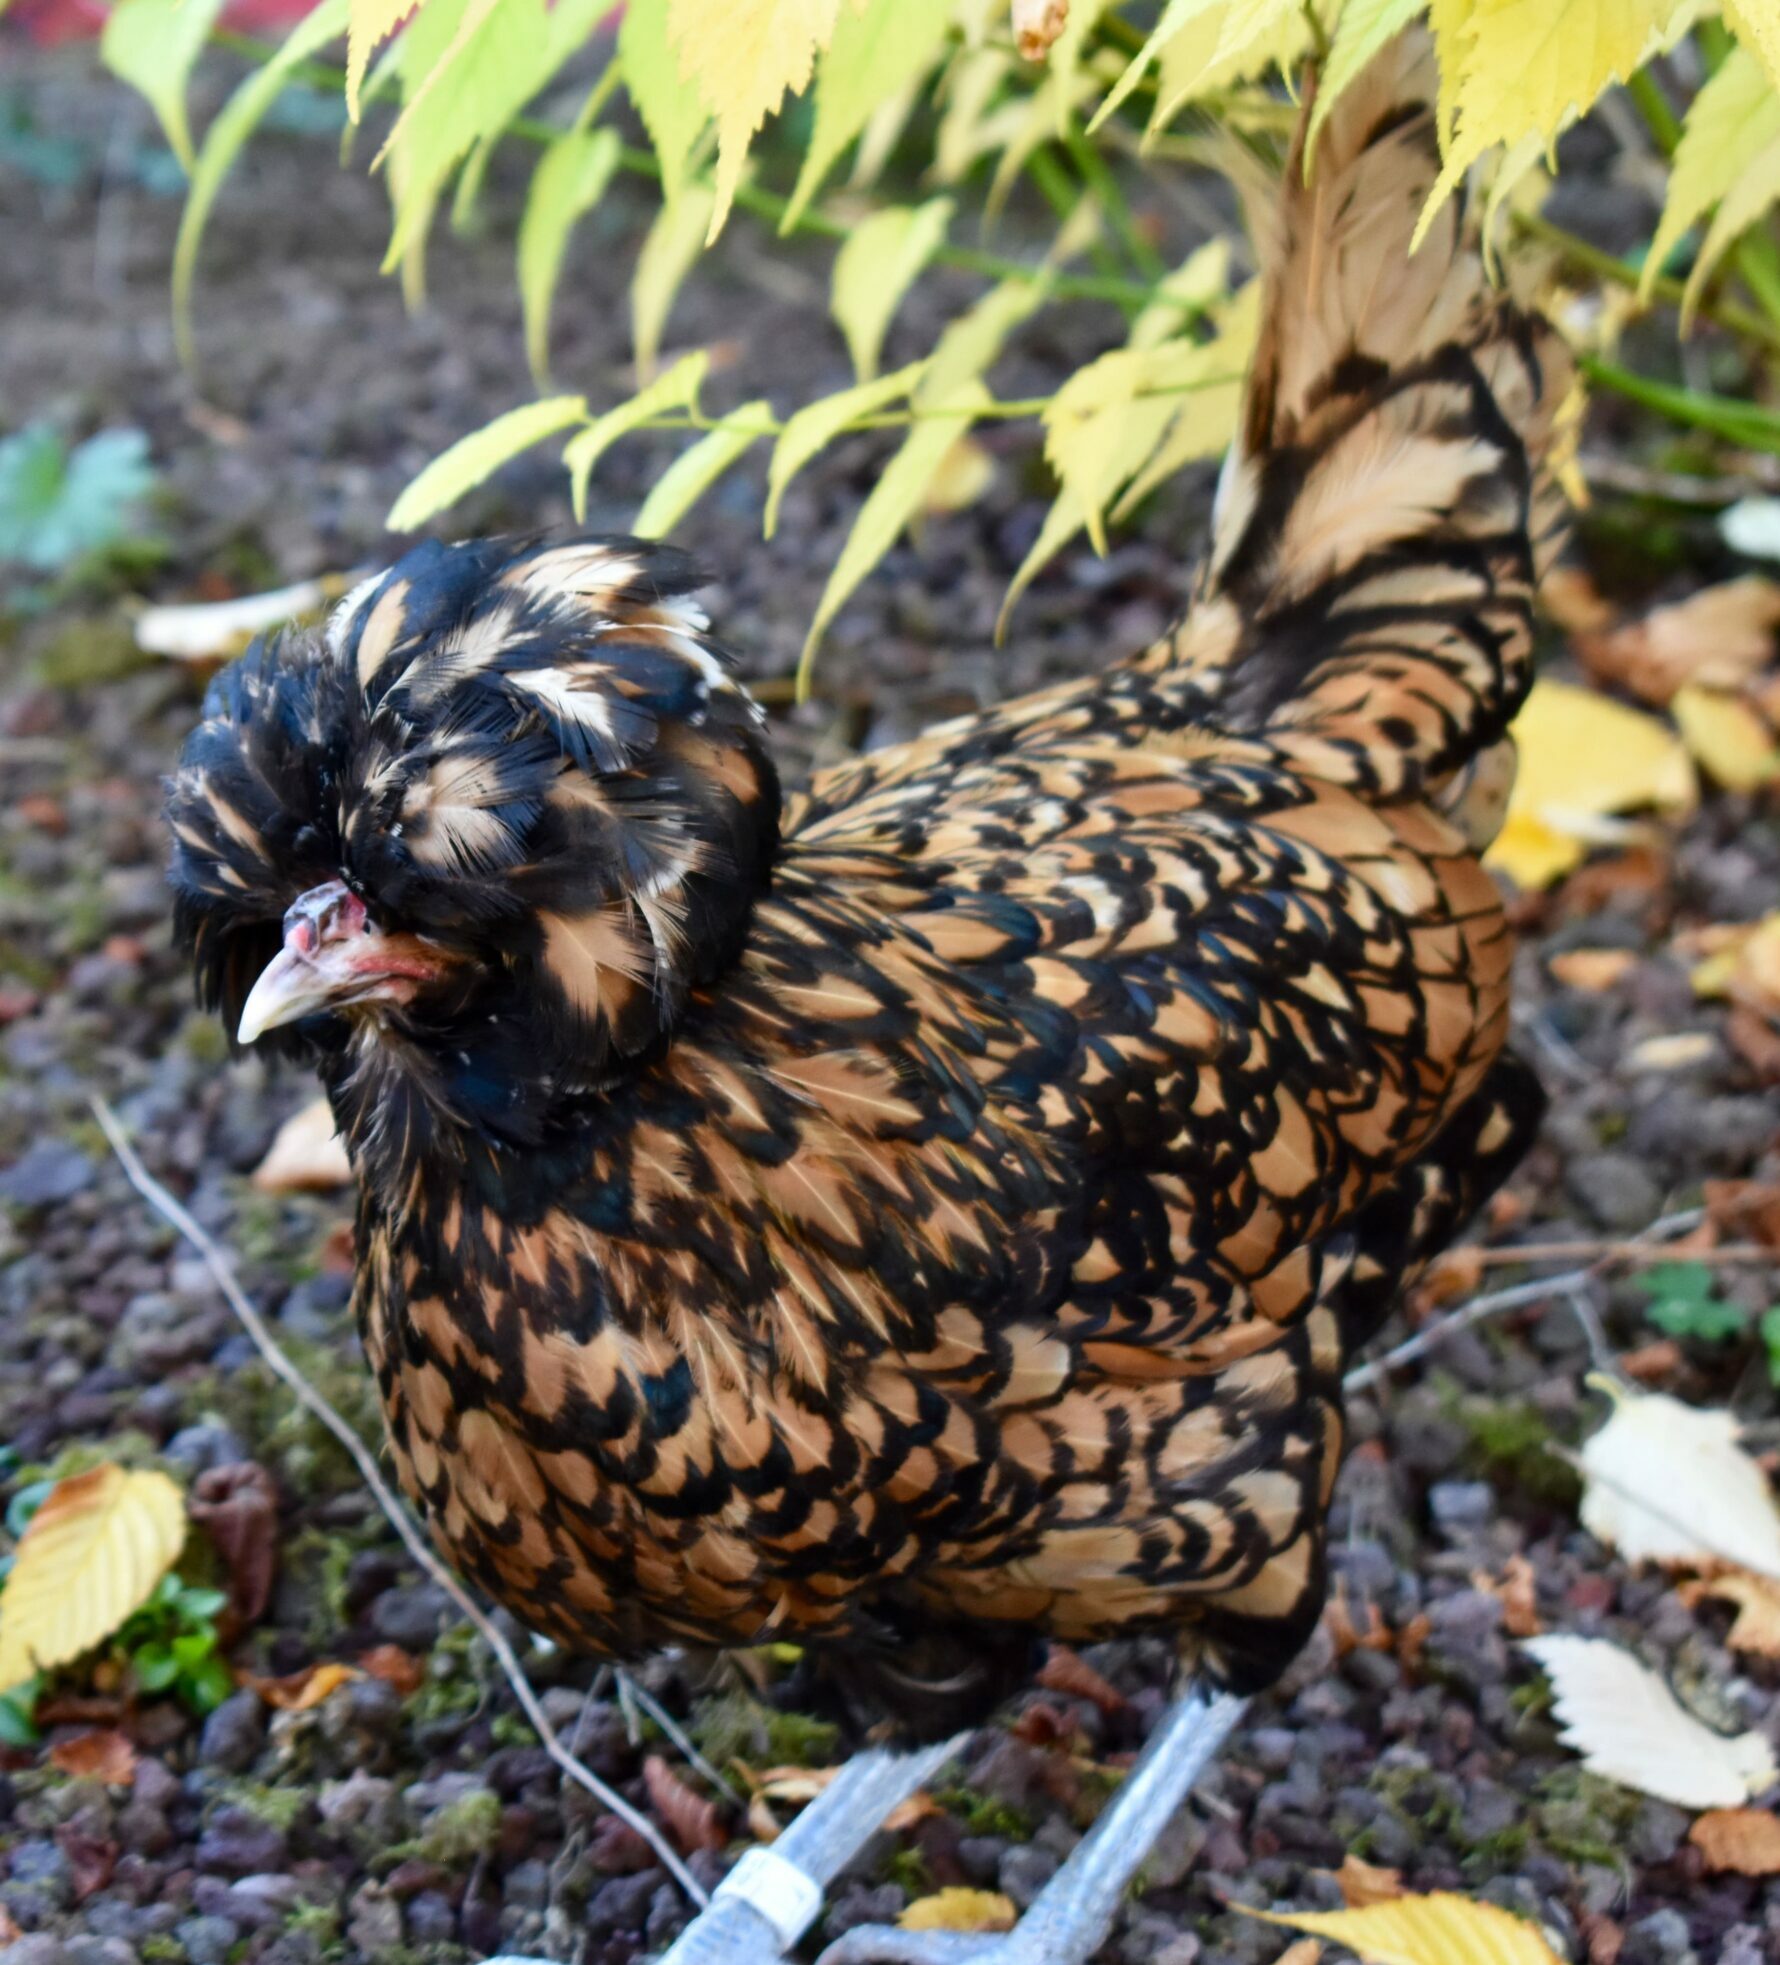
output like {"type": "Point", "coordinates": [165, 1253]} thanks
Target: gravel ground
{"type": "Point", "coordinates": [426, 1823]}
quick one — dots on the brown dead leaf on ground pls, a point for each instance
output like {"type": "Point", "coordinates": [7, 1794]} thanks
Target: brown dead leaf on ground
{"type": "Point", "coordinates": [1364, 1883]}
{"type": "Point", "coordinates": [1348, 1636]}
{"type": "Point", "coordinates": [10, 1931]}
{"type": "Point", "coordinates": [1746, 1840]}
{"type": "Point", "coordinates": [1745, 1210]}
{"type": "Point", "coordinates": [300, 1692]}
{"type": "Point", "coordinates": [1757, 1598]}
{"type": "Point", "coordinates": [92, 1859]}
{"type": "Point", "coordinates": [103, 1754]}
{"type": "Point", "coordinates": [1651, 1363]}
{"type": "Point", "coordinates": [1515, 1591]}
{"type": "Point", "coordinates": [1757, 1043]}
{"type": "Point", "coordinates": [237, 1507]}
{"type": "Point", "coordinates": [1412, 1641]}
{"type": "Point", "coordinates": [1454, 1274]}
{"type": "Point", "coordinates": [1719, 638]}
{"type": "Point", "coordinates": [1068, 1672]}
{"type": "Point", "coordinates": [394, 1666]}
{"type": "Point", "coordinates": [1602, 1939]}
{"type": "Point", "coordinates": [307, 1155]}
{"type": "Point", "coordinates": [1592, 968]}
{"type": "Point", "coordinates": [689, 1818]}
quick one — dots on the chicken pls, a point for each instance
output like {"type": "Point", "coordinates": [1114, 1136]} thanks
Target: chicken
{"type": "Point", "coordinates": [930, 1213]}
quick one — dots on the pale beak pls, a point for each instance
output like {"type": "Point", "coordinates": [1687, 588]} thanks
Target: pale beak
{"type": "Point", "coordinates": [332, 958]}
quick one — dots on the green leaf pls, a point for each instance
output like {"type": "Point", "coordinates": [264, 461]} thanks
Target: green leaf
{"type": "Point", "coordinates": [56, 507]}
{"type": "Point", "coordinates": [874, 269]}
{"type": "Point", "coordinates": [878, 50]}
{"type": "Point", "coordinates": [694, 471]}
{"type": "Point", "coordinates": [1685, 1302]}
{"type": "Point", "coordinates": [206, 1688]}
{"type": "Point", "coordinates": [892, 502]}
{"type": "Point", "coordinates": [372, 22]}
{"type": "Point", "coordinates": [972, 344]}
{"type": "Point", "coordinates": [666, 101]}
{"type": "Point", "coordinates": [817, 425]}
{"type": "Point", "coordinates": [155, 1666]}
{"type": "Point", "coordinates": [16, 1708]}
{"type": "Point", "coordinates": [153, 45]}
{"type": "Point", "coordinates": [677, 388]}
{"type": "Point", "coordinates": [479, 455]}
{"type": "Point", "coordinates": [1769, 1327]}
{"type": "Point", "coordinates": [570, 180]}
{"type": "Point", "coordinates": [201, 1606]}
{"type": "Point", "coordinates": [239, 117]}
{"type": "Point", "coordinates": [675, 240]}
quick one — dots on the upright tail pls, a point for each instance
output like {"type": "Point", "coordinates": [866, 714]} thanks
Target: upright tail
{"type": "Point", "coordinates": [1387, 506]}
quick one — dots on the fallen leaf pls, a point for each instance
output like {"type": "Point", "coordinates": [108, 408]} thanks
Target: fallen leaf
{"type": "Point", "coordinates": [307, 1154]}
{"type": "Point", "coordinates": [1651, 1362]}
{"type": "Point", "coordinates": [1301, 1951]}
{"type": "Point", "coordinates": [1680, 1051]}
{"type": "Point", "coordinates": [237, 1507]}
{"type": "Point", "coordinates": [1602, 1939]}
{"type": "Point", "coordinates": [690, 1818]}
{"type": "Point", "coordinates": [1746, 1840]}
{"type": "Point", "coordinates": [92, 1859]}
{"type": "Point", "coordinates": [960, 1910]}
{"type": "Point", "coordinates": [1571, 600]}
{"type": "Point", "coordinates": [1756, 1041]}
{"type": "Point", "coordinates": [104, 1754]}
{"type": "Point", "coordinates": [1757, 1625]}
{"type": "Point", "coordinates": [1727, 738]}
{"type": "Point", "coordinates": [1746, 1208]}
{"type": "Point", "coordinates": [1742, 962]}
{"type": "Point", "coordinates": [1348, 1636]}
{"type": "Point", "coordinates": [207, 631]}
{"type": "Point", "coordinates": [1584, 760]}
{"type": "Point", "coordinates": [93, 1554]}
{"type": "Point", "coordinates": [10, 1930]}
{"type": "Point", "coordinates": [1364, 1883]}
{"type": "Point", "coordinates": [1070, 1673]}
{"type": "Point", "coordinates": [1412, 1641]}
{"type": "Point", "coordinates": [1592, 968]}
{"type": "Point", "coordinates": [1630, 1728]}
{"type": "Point", "coordinates": [1037, 26]}
{"type": "Point", "coordinates": [1440, 1929]}
{"type": "Point", "coordinates": [301, 1692]}
{"type": "Point", "coordinates": [1451, 1275]}
{"type": "Point", "coordinates": [1514, 1590]}
{"type": "Point", "coordinates": [394, 1666]}
{"type": "Point", "coordinates": [1718, 638]}
{"type": "Point", "coordinates": [1666, 1482]}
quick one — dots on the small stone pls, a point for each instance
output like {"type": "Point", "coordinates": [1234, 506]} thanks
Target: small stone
{"type": "Point", "coordinates": [1025, 1870]}
{"type": "Point", "coordinates": [207, 1940]}
{"type": "Point", "coordinates": [1615, 1189]}
{"type": "Point", "coordinates": [37, 1949]}
{"type": "Point", "coordinates": [85, 1949]}
{"type": "Point", "coordinates": [527, 1885]}
{"type": "Point", "coordinates": [412, 1617]}
{"type": "Point", "coordinates": [430, 1919]}
{"type": "Point", "coordinates": [237, 1842]}
{"type": "Point", "coordinates": [198, 1448]}
{"type": "Point", "coordinates": [373, 1920]}
{"type": "Point", "coordinates": [345, 1804]}
{"type": "Point", "coordinates": [262, 1902]}
{"type": "Point", "coordinates": [856, 1904]}
{"type": "Point", "coordinates": [234, 1733]}
{"type": "Point", "coordinates": [1662, 1938]}
{"type": "Point", "coordinates": [50, 1173]}
{"type": "Point", "coordinates": [1462, 1504]}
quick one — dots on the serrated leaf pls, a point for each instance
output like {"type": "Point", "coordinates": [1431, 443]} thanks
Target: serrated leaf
{"type": "Point", "coordinates": [817, 425]}
{"type": "Point", "coordinates": [56, 505]}
{"type": "Point", "coordinates": [674, 242]}
{"type": "Point", "coordinates": [892, 502]}
{"type": "Point", "coordinates": [1630, 1728]}
{"type": "Point", "coordinates": [1666, 1482]}
{"type": "Point", "coordinates": [694, 471]}
{"type": "Point", "coordinates": [372, 22]}
{"type": "Point", "coordinates": [1214, 47]}
{"type": "Point", "coordinates": [880, 260]}
{"type": "Point", "coordinates": [92, 1555]}
{"type": "Point", "coordinates": [675, 388]}
{"type": "Point", "coordinates": [1442, 1928]}
{"type": "Point", "coordinates": [237, 120]}
{"type": "Point", "coordinates": [958, 1909]}
{"type": "Point", "coordinates": [1730, 123]}
{"type": "Point", "coordinates": [972, 344]}
{"type": "Point", "coordinates": [1757, 24]}
{"type": "Point", "coordinates": [569, 181]}
{"type": "Point", "coordinates": [667, 102]}
{"type": "Point", "coordinates": [741, 58]}
{"type": "Point", "coordinates": [877, 52]}
{"type": "Point", "coordinates": [153, 45]}
{"type": "Point", "coordinates": [1363, 29]}
{"type": "Point", "coordinates": [479, 455]}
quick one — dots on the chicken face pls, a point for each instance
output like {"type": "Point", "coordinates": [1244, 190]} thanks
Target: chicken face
{"type": "Point", "coordinates": [511, 798]}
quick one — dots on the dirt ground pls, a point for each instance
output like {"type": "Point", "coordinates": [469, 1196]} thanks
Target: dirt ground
{"type": "Point", "coordinates": [425, 1824]}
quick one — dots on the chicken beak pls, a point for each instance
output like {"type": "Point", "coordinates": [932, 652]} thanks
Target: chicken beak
{"type": "Point", "coordinates": [333, 957]}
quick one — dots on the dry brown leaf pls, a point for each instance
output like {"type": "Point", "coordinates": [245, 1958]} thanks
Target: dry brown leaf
{"type": "Point", "coordinates": [1651, 1363]}
{"type": "Point", "coordinates": [1592, 968]}
{"type": "Point", "coordinates": [1571, 600]}
{"type": "Point", "coordinates": [1757, 1042]}
{"type": "Point", "coordinates": [1514, 1590]}
{"type": "Point", "coordinates": [300, 1692]}
{"type": "Point", "coordinates": [1720, 638]}
{"type": "Point", "coordinates": [237, 1507]}
{"type": "Point", "coordinates": [1068, 1672]}
{"type": "Point", "coordinates": [104, 1754]}
{"type": "Point", "coordinates": [394, 1666]}
{"type": "Point", "coordinates": [960, 1910]}
{"type": "Point", "coordinates": [1037, 25]}
{"type": "Point", "coordinates": [1746, 1209]}
{"type": "Point", "coordinates": [689, 1817]}
{"type": "Point", "coordinates": [307, 1155]}
{"type": "Point", "coordinates": [1364, 1883]}
{"type": "Point", "coordinates": [1348, 1636]}
{"type": "Point", "coordinates": [1757, 1625]}
{"type": "Point", "coordinates": [1412, 1641]}
{"type": "Point", "coordinates": [1456, 1273]}
{"type": "Point", "coordinates": [1746, 1840]}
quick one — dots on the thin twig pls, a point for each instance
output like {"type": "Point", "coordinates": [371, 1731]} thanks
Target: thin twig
{"type": "Point", "coordinates": [388, 1500]}
{"type": "Point", "coordinates": [677, 1735]}
{"type": "Point", "coordinates": [1635, 1253]}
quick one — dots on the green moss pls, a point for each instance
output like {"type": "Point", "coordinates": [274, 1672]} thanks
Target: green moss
{"type": "Point", "coordinates": [462, 1829]}
{"type": "Point", "coordinates": [736, 1726]}
{"type": "Point", "coordinates": [1511, 1441]}
{"type": "Point", "coordinates": [87, 651]}
{"type": "Point", "coordinates": [984, 1814]}
{"type": "Point", "coordinates": [278, 1808]}
{"type": "Point", "coordinates": [908, 1869]}
{"type": "Point", "coordinates": [162, 1951]}
{"type": "Point", "coordinates": [510, 1730]}
{"type": "Point", "coordinates": [1497, 1854]}
{"type": "Point", "coordinates": [285, 1435]}
{"type": "Point", "coordinates": [1584, 1818]}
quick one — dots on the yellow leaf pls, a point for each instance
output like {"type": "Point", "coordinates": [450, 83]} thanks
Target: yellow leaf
{"type": "Point", "coordinates": [479, 455]}
{"type": "Point", "coordinates": [965, 474]}
{"type": "Point", "coordinates": [1727, 737]}
{"type": "Point", "coordinates": [1743, 204]}
{"type": "Point", "coordinates": [880, 260]}
{"type": "Point", "coordinates": [972, 344]}
{"type": "Point", "coordinates": [960, 1910]}
{"type": "Point", "coordinates": [669, 106]}
{"type": "Point", "coordinates": [893, 501]}
{"type": "Point", "coordinates": [675, 388]}
{"type": "Point", "coordinates": [1583, 758]}
{"type": "Point", "coordinates": [1733, 119]}
{"type": "Point", "coordinates": [306, 1154]}
{"type": "Point", "coordinates": [663, 262]}
{"type": "Point", "coordinates": [741, 57]}
{"type": "Point", "coordinates": [1521, 67]}
{"type": "Point", "coordinates": [817, 425]}
{"type": "Point", "coordinates": [92, 1555]}
{"type": "Point", "coordinates": [695, 470]}
{"type": "Point", "coordinates": [303, 1691]}
{"type": "Point", "coordinates": [1757, 24]}
{"type": "Point", "coordinates": [371, 22]}
{"type": "Point", "coordinates": [1230, 41]}
{"type": "Point", "coordinates": [1630, 1728]}
{"type": "Point", "coordinates": [152, 45]}
{"type": "Point", "coordinates": [1441, 1929]}
{"type": "Point", "coordinates": [1365, 26]}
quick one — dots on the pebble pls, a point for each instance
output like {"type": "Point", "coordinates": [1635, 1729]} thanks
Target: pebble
{"type": "Point", "coordinates": [1662, 1938]}
{"type": "Point", "coordinates": [237, 1841]}
{"type": "Point", "coordinates": [36, 1948]}
{"type": "Point", "coordinates": [373, 1920]}
{"type": "Point", "coordinates": [234, 1733]}
{"type": "Point", "coordinates": [1025, 1870]}
{"type": "Point", "coordinates": [1462, 1504]}
{"type": "Point", "coordinates": [85, 1949]}
{"type": "Point", "coordinates": [50, 1173]}
{"type": "Point", "coordinates": [1616, 1189]}
{"type": "Point", "coordinates": [207, 1940]}
{"type": "Point", "coordinates": [411, 1617]}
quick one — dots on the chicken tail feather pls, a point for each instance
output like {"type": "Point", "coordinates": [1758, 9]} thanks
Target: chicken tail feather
{"type": "Point", "coordinates": [1388, 506]}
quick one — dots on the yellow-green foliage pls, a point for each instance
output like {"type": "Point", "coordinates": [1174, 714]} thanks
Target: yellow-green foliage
{"type": "Point", "coordinates": [705, 77]}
